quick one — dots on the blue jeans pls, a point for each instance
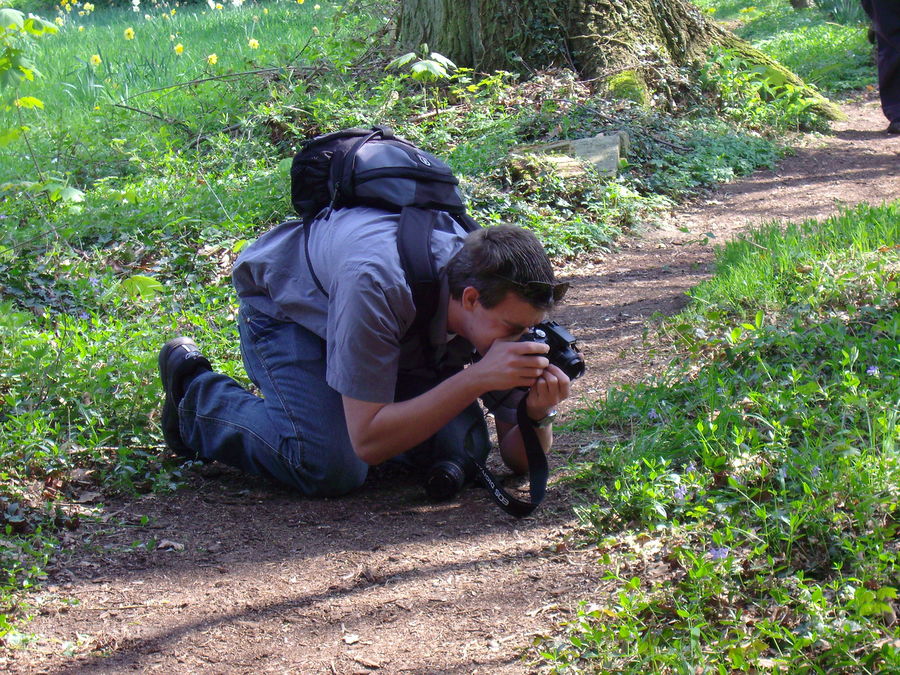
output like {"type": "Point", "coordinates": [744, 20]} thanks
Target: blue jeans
{"type": "Point", "coordinates": [296, 432]}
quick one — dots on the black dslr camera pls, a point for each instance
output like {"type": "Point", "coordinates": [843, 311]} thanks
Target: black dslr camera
{"type": "Point", "coordinates": [447, 476]}
{"type": "Point", "coordinates": [563, 353]}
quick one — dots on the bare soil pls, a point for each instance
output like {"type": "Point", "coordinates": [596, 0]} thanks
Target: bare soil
{"type": "Point", "coordinates": [242, 577]}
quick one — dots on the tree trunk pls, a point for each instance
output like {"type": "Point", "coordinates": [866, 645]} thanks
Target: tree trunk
{"type": "Point", "coordinates": [598, 38]}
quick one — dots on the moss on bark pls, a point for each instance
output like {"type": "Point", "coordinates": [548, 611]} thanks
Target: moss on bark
{"type": "Point", "coordinates": [629, 85]}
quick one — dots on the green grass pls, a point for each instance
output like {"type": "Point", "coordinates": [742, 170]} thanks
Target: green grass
{"type": "Point", "coordinates": [825, 45]}
{"type": "Point", "coordinates": [787, 260]}
{"type": "Point", "coordinates": [745, 504]}
{"type": "Point", "coordinates": [84, 131]}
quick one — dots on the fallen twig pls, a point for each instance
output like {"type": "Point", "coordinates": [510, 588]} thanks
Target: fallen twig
{"type": "Point", "coordinates": [167, 120]}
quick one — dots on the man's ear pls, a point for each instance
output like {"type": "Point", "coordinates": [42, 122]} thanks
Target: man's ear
{"type": "Point", "coordinates": [469, 298]}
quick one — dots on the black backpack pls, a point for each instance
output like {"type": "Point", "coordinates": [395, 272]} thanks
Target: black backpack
{"type": "Point", "coordinates": [372, 167]}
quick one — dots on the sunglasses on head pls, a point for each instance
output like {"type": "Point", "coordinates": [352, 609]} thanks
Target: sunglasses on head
{"type": "Point", "coordinates": [539, 291]}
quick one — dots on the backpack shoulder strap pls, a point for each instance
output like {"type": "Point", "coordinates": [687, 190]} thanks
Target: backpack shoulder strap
{"type": "Point", "coordinates": [307, 227]}
{"type": "Point", "coordinates": [414, 245]}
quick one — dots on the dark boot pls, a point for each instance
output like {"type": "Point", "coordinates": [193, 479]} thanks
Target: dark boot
{"type": "Point", "coordinates": [180, 361]}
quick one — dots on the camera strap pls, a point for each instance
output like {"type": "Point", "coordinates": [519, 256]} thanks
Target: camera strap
{"type": "Point", "coordinates": [537, 471]}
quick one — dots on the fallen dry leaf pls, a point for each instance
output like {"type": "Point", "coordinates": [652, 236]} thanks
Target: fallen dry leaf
{"type": "Point", "coordinates": [169, 545]}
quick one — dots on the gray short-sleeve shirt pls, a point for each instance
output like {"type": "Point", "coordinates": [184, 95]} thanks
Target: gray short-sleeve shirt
{"type": "Point", "coordinates": [369, 307]}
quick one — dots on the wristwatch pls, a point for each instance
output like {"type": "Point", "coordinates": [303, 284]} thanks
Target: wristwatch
{"type": "Point", "coordinates": [545, 421]}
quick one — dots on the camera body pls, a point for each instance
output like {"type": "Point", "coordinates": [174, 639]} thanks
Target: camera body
{"type": "Point", "coordinates": [563, 353]}
{"type": "Point", "coordinates": [446, 476]}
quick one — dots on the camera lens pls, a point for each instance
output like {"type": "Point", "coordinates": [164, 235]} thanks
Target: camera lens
{"type": "Point", "coordinates": [572, 364]}
{"type": "Point", "coordinates": [444, 480]}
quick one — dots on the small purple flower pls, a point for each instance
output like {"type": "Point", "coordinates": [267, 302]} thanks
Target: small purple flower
{"type": "Point", "coordinates": [652, 414]}
{"type": "Point", "coordinates": [718, 553]}
{"type": "Point", "coordinates": [680, 493]}
{"type": "Point", "coordinates": [690, 468]}
{"type": "Point", "coordinates": [84, 316]}
{"type": "Point", "coordinates": [815, 471]}
{"type": "Point", "coordinates": [872, 370]}
{"type": "Point", "coordinates": [94, 281]}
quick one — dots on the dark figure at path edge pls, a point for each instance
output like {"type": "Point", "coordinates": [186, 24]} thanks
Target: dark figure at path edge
{"type": "Point", "coordinates": [885, 16]}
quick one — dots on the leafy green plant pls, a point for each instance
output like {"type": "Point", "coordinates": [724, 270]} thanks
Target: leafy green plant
{"type": "Point", "coordinates": [17, 33]}
{"type": "Point", "coordinates": [432, 68]}
{"type": "Point", "coordinates": [756, 95]}
{"type": "Point", "coordinates": [15, 65]}
{"type": "Point", "coordinates": [425, 69]}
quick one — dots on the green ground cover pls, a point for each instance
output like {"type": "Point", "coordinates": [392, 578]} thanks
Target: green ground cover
{"type": "Point", "coordinates": [745, 502]}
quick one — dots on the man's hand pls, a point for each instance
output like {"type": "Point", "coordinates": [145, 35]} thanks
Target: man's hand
{"type": "Point", "coordinates": [551, 387]}
{"type": "Point", "coordinates": [508, 365]}
{"type": "Point", "coordinates": [547, 392]}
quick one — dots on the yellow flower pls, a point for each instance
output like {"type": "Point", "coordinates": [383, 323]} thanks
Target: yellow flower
{"type": "Point", "coordinates": [219, 5]}
{"type": "Point", "coordinates": [89, 7]}
{"type": "Point", "coordinates": [315, 30]}
{"type": "Point", "coordinates": [300, 2]}
{"type": "Point", "coordinates": [317, 7]}
{"type": "Point", "coordinates": [59, 21]}
{"type": "Point", "coordinates": [179, 48]}
{"type": "Point", "coordinates": [129, 33]}
{"type": "Point", "coordinates": [96, 60]}
{"type": "Point", "coordinates": [265, 10]}
{"type": "Point", "coordinates": [172, 12]}
{"type": "Point", "coordinates": [80, 29]}
{"type": "Point", "coordinates": [212, 59]}
{"type": "Point", "coordinates": [253, 44]}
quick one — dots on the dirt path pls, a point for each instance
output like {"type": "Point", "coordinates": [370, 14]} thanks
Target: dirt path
{"type": "Point", "coordinates": [240, 577]}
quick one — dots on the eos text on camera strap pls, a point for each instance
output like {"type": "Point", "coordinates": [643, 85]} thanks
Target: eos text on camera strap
{"type": "Point", "coordinates": [538, 471]}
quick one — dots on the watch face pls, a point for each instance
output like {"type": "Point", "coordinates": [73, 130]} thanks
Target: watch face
{"type": "Point", "coordinates": [546, 421]}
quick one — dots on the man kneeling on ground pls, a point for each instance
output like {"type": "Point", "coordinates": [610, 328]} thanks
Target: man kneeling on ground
{"type": "Point", "coordinates": [343, 384]}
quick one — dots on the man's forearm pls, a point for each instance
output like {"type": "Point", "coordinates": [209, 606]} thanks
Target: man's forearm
{"type": "Point", "coordinates": [397, 427]}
